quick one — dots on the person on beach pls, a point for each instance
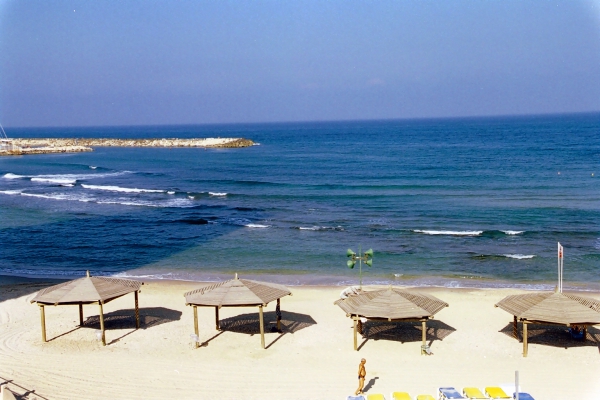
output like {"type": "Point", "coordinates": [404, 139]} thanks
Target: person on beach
{"type": "Point", "coordinates": [362, 372]}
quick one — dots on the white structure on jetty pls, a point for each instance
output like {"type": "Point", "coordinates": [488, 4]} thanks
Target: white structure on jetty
{"type": "Point", "coordinates": [6, 144]}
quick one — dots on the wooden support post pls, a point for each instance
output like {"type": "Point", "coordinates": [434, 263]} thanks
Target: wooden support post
{"type": "Point", "coordinates": [43, 321]}
{"type": "Point", "coordinates": [584, 333]}
{"type": "Point", "coordinates": [102, 323]}
{"type": "Point", "coordinates": [359, 327]}
{"type": "Point", "coordinates": [196, 323]}
{"type": "Point", "coordinates": [524, 338]}
{"type": "Point", "coordinates": [262, 326]}
{"type": "Point", "coordinates": [355, 339]}
{"type": "Point", "coordinates": [217, 326]}
{"type": "Point", "coordinates": [137, 311]}
{"type": "Point", "coordinates": [424, 332]}
{"type": "Point", "coordinates": [515, 328]}
{"type": "Point", "coordinates": [278, 312]}
{"type": "Point", "coordinates": [80, 314]}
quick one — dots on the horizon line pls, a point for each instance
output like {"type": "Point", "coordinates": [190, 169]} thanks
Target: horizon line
{"type": "Point", "coordinates": [317, 121]}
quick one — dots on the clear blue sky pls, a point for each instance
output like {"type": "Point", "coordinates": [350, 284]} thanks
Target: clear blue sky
{"type": "Point", "coordinates": [78, 63]}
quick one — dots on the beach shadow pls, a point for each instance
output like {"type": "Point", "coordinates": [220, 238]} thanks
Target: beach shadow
{"type": "Point", "coordinates": [20, 392]}
{"type": "Point", "coordinates": [553, 335]}
{"type": "Point", "coordinates": [249, 323]}
{"type": "Point", "coordinates": [206, 342]}
{"type": "Point", "coordinates": [63, 334]}
{"type": "Point", "coordinates": [291, 322]}
{"type": "Point", "coordinates": [14, 287]}
{"type": "Point", "coordinates": [125, 319]}
{"type": "Point", "coordinates": [370, 384]}
{"type": "Point", "coordinates": [405, 331]}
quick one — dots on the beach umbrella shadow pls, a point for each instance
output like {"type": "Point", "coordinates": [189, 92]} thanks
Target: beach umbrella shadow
{"type": "Point", "coordinates": [554, 335]}
{"type": "Point", "coordinates": [291, 322]}
{"type": "Point", "coordinates": [125, 319]}
{"type": "Point", "coordinates": [405, 331]}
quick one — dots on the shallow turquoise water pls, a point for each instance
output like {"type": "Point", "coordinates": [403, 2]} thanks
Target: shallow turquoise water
{"type": "Point", "coordinates": [463, 202]}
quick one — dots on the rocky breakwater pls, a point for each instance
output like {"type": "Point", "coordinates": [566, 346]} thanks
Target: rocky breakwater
{"type": "Point", "coordinates": [56, 145]}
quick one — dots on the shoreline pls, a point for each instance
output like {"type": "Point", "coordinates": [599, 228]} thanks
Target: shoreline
{"type": "Point", "coordinates": [313, 358]}
{"type": "Point", "coordinates": [327, 281]}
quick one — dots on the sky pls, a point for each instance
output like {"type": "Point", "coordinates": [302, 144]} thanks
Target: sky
{"type": "Point", "coordinates": [144, 62]}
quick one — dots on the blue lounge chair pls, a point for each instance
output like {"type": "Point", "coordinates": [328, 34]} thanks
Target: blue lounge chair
{"type": "Point", "coordinates": [447, 393]}
{"type": "Point", "coordinates": [523, 396]}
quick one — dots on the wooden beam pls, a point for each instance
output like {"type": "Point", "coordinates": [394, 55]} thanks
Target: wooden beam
{"type": "Point", "coordinates": [102, 323]}
{"type": "Point", "coordinates": [524, 338]}
{"type": "Point", "coordinates": [424, 332]}
{"type": "Point", "coordinates": [262, 326]}
{"type": "Point", "coordinates": [355, 339]}
{"type": "Point", "coordinates": [515, 328]}
{"type": "Point", "coordinates": [217, 326]}
{"type": "Point", "coordinates": [43, 321]}
{"type": "Point", "coordinates": [80, 314]}
{"type": "Point", "coordinates": [584, 333]}
{"type": "Point", "coordinates": [196, 324]}
{"type": "Point", "coordinates": [137, 311]}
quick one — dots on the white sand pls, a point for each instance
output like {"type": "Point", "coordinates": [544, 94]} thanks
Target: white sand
{"type": "Point", "coordinates": [316, 361]}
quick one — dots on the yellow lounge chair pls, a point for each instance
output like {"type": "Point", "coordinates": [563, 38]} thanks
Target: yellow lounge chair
{"type": "Point", "coordinates": [425, 397]}
{"type": "Point", "coordinates": [494, 392]}
{"type": "Point", "coordinates": [401, 396]}
{"type": "Point", "coordinates": [375, 396]}
{"type": "Point", "coordinates": [474, 393]}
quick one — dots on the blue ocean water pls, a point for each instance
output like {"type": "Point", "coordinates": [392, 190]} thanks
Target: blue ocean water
{"type": "Point", "coordinates": [478, 202]}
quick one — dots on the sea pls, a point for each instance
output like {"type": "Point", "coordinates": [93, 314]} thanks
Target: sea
{"type": "Point", "coordinates": [465, 203]}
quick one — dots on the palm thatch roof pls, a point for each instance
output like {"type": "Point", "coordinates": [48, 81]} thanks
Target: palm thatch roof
{"type": "Point", "coordinates": [392, 304]}
{"type": "Point", "coordinates": [553, 307]}
{"type": "Point", "coordinates": [236, 292]}
{"type": "Point", "coordinates": [86, 290]}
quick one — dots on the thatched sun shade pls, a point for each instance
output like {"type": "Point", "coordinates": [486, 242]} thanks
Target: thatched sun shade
{"type": "Point", "coordinates": [391, 304]}
{"type": "Point", "coordinates": [554, 308]}
{"type": "Point", "coordinates": [87, 290]}
{"type": "Point", "coordinates": [236, 293]}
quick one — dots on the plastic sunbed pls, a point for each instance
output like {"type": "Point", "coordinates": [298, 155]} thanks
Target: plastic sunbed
{"type": "Point", "coordinates": [494, 392]}
{"type": "Point", "coordinates": [447, 393]}
{"type": "Point", "coordinates": [359, 397]}
{"type": "Point", "coordinates": [425, 397]}
{"type": "Point", "coordinates": [473, 393]}
{"type": "Point", "coordinates": [400, 396]}
{"type": "Point", "coordinates": [375, 396]}
{"type": "Point", "coordinates": [523, 396]}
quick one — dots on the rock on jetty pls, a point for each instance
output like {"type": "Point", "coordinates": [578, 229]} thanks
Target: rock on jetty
{"type": "Point", "coordinates": [51, 145]}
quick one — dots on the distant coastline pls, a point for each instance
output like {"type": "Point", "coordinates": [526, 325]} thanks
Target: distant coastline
{"type": "Point", "coordinates": [21, 146]}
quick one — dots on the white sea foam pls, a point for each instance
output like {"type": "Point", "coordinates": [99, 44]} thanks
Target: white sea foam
{"type": "Point", "coordinates": [70, 177]}
{"type": "Point", "coordinates": [67, 184]}
{"type": "Point", "coordinates": [174, 203]}
{"type": "Point", "coordinates": [518, 256]}
{"type": "Point", "coordinates": [217, 194]}
{"type": "Point", "coordinates": [513, 232]}
{"type": "Point", "coordinates": [11, 192]}
{"type": "Point", "coordinates": [451, 233]}
{"type": "Point", "coordinates": [121, 189]}
{"type": "Point", "coordinates": [320, 228]}
{"type": "Point", "coordinates": [170, 192]}
{"type": "Point", "coordinates": [59, 196]}
{"type": "Point", "coordinates": [256, 226]}
{"type": "Point", "coordinates": [13, 176]}
{"type": "Point", "coordinates": [60, 181]}
{"type": "Point", "coordinates": [93, 167]}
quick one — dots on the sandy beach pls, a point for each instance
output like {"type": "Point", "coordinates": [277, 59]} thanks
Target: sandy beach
{"type": "Point", "coordinates": [313, 358]}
